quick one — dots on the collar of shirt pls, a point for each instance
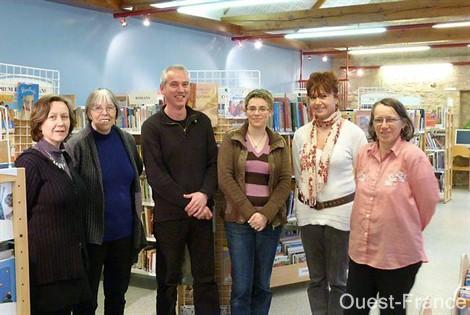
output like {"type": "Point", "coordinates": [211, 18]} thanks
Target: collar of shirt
{"type": "Point", "coordinates": [373, 150]}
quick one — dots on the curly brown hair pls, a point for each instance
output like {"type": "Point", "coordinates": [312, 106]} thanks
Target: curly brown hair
{"type": "Point", "coordinates": [322, 81]}
{"type": "Point", "coordinates": [40, 112]}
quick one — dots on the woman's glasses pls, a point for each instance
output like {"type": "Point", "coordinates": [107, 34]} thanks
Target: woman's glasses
{"type": "Point", "coordinates": [386, 120]}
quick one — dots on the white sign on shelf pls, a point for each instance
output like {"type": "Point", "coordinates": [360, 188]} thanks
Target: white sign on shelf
{"type": "Point", "coordinates": [303, 272]}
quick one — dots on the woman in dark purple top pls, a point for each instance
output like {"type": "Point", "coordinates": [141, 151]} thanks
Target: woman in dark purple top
{"type": "Point", "coordinates": [55, 219]}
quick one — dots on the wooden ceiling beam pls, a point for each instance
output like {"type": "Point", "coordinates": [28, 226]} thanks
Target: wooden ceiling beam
{"type": "Point", "coordinates": [199, 23]}
{"type": "Point", "coordinates": [396, 37]}
{"type": "Point", "coordinates": [318, 4]}
{"type": "Point", "coordinates": [101, 5]}
{"type": "Point", "coordinates": [366, 13]}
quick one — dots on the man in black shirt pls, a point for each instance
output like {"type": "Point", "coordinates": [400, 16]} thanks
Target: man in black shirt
{"type": "Point", "coordinates": [180, 156]}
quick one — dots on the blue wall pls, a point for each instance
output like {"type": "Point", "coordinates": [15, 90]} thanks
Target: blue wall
{"type": "Point", "coordinates": [91, 49]}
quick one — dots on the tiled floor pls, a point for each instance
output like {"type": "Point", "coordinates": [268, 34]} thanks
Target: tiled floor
{"type": "Point", "coordinates": [446, 238]}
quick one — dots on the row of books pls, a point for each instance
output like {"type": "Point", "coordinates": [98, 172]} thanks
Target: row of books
{"type": "Point", "coordinates": [434, 141]}
{"type": "Point", "coordinates": [361, 117]}
{"type": "Point", "coordinates": [133, 117]}
{"type": "Point", "coordinates": [130, 117]}
{"type": "Point", "coordinates": [288, 115]}
{"type": "Point", "coordinates": [437, 159]}
{"type": "Point", "coordinates": [146, 261]}
{"type": "Point", "coordinates": [289, 251]}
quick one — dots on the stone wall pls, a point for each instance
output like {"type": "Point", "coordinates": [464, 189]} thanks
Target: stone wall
{"type": "Point", "coordinates": [429, 83]}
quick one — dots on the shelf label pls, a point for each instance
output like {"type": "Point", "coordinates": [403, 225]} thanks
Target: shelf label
{"type": "Point", "coordinates": [303, 272]}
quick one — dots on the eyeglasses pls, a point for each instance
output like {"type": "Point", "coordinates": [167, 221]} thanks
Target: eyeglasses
{"type": "Point", "coordinates": [100, 109]}
{"type": "Point", "coordinates": [253, 109]}
{"type": "Point", "coordinates": [387, 120]}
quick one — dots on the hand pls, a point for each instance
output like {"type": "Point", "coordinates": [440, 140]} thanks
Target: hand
{"type": "Point", "coordinates": [197, 203]}
{"type": "Point", "coordinates": [205, 214]}
{"type": "Point", "coordinates": [258, 221]}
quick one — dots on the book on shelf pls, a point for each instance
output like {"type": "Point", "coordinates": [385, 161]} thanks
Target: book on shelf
{"type": "Point", "coordinates": [7, 119]}
{"type": "Point", "coordinates": [7, 280]}
{"type": "Point", "coordinates": [146, 260]}
{"type": "Point", "coordinates": [6, 211]}
{"type": "Point", "coordinates": [361, 117]}
{"type": "Point", "coordinates": [147, 220]}
{"type": "Point", "coordinates": [234, 106]}
{"type": "Point", "coordinates": [26, 95]}
{"type": "Point", "coordinates": [204, 98]}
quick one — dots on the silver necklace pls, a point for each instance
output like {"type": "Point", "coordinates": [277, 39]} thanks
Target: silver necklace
{"type": "Point", "coordinates": [60, 164]}
{"type": "Point", "coordinates": [258, 143]}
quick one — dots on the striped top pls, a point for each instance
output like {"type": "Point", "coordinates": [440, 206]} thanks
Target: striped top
{"type": "Point", "coordinates": [257, 175]}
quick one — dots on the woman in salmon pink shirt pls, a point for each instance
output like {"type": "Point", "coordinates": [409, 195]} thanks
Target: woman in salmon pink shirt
{"type": "Point", "coordinates": [396, 195]}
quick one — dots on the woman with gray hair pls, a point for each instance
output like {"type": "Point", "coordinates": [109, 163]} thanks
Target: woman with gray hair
{"type": "Point", "coordinates": [254, 175]}
{"type": "Point", "coordinates": [113, 226]}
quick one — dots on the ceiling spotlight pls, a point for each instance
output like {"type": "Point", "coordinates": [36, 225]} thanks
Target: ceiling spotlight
{"type": "Point", "coordinates": [128, 8]}
{"type": "Point", "coordinates": [324, 58]}
{"type": "Point", "coordinates": [360, 72]}
{"type": "Point", "coordinates": [146, 21]}
{"type": "Point", "coordinates": [258, 44]}
{"type": "Point", "coordinates": [239, 43]}
{"type": "Point", "coordinates": [309, 58]}
{"type": "Point", "coordinates": [123, 22]}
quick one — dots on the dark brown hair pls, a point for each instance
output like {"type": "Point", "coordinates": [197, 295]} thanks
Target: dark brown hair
{"type": "Point", "coordinates": [407, 132]}
{"type": "Point", "coordinates": [40, 112]}
{"type": "Point", "coordinates": [322, 81]}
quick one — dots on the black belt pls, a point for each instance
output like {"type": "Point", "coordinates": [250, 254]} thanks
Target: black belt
{"type": "Point", "coordinates": [319, 205]}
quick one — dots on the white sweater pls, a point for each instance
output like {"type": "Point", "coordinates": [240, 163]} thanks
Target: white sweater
{"type": "Point", "coordinates": [340, 176]}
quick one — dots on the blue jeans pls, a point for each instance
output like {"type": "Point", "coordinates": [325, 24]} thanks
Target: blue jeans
{"type": "Point", "coordinates": [326, 250]}
{"type": "Point", "coordinates": [252, 255]}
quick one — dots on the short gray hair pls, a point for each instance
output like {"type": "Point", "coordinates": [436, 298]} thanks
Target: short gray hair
{"type": "Point", "coordinates": [164, 75]}
{"type": "Point", "coordinates": [97, 96]}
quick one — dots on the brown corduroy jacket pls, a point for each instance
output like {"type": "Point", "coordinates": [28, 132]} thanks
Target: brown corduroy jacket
{"type": "Point", "coordinates": [231, 174]}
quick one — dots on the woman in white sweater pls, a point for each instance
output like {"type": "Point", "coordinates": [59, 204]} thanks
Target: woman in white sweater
{"type": "Point", "coordinates": [324, 151]}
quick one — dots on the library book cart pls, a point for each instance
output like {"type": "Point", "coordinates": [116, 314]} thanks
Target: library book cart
{"type": "Point", "coordinates": [14, 266]}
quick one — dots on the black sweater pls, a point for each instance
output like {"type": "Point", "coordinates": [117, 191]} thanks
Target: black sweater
{"type": "Point", "coordinates": [55, 219]}
{"type": "Point", "coordinates": [179, 160]}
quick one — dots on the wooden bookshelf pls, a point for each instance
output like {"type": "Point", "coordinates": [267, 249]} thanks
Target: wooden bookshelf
{"type": "Point", "coordinates": [16, 178]}
{"type": "Point", "coordinates": [289, 274]}
{"type": "Point", "coordinates": [439, 150]}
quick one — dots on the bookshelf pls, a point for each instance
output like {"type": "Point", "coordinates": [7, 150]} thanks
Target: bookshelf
{"type": "Point", "coordinates": [14, 231]}
{"type": "Point", "coordinates": [462, 292]}
{"type": "Point", "coordinates": [438, 148]}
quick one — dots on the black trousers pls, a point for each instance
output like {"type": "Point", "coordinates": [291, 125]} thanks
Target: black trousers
{"type": "Point", "coordinates": [171, 239]}
{"type": "Point", "coordinates": [114, 259]}
{"type": "Point", "coordinates": [391, 286]}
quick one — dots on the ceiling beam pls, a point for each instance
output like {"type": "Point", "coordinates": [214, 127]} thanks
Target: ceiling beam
{"type": "Point", "coordinates": [101, 5]}
{"type": "Point", "coordinates": [318, 4]}
{"type": "Point", "coordinates": [199, 23]}
{"type": "Point", "coordinates": [395, 37]}
{"type": "Point", "coordinates": [366, 13]}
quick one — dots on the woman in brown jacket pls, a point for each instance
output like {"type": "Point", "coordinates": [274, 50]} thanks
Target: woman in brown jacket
{"type": "Point", "coordinates": [254, 175]}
